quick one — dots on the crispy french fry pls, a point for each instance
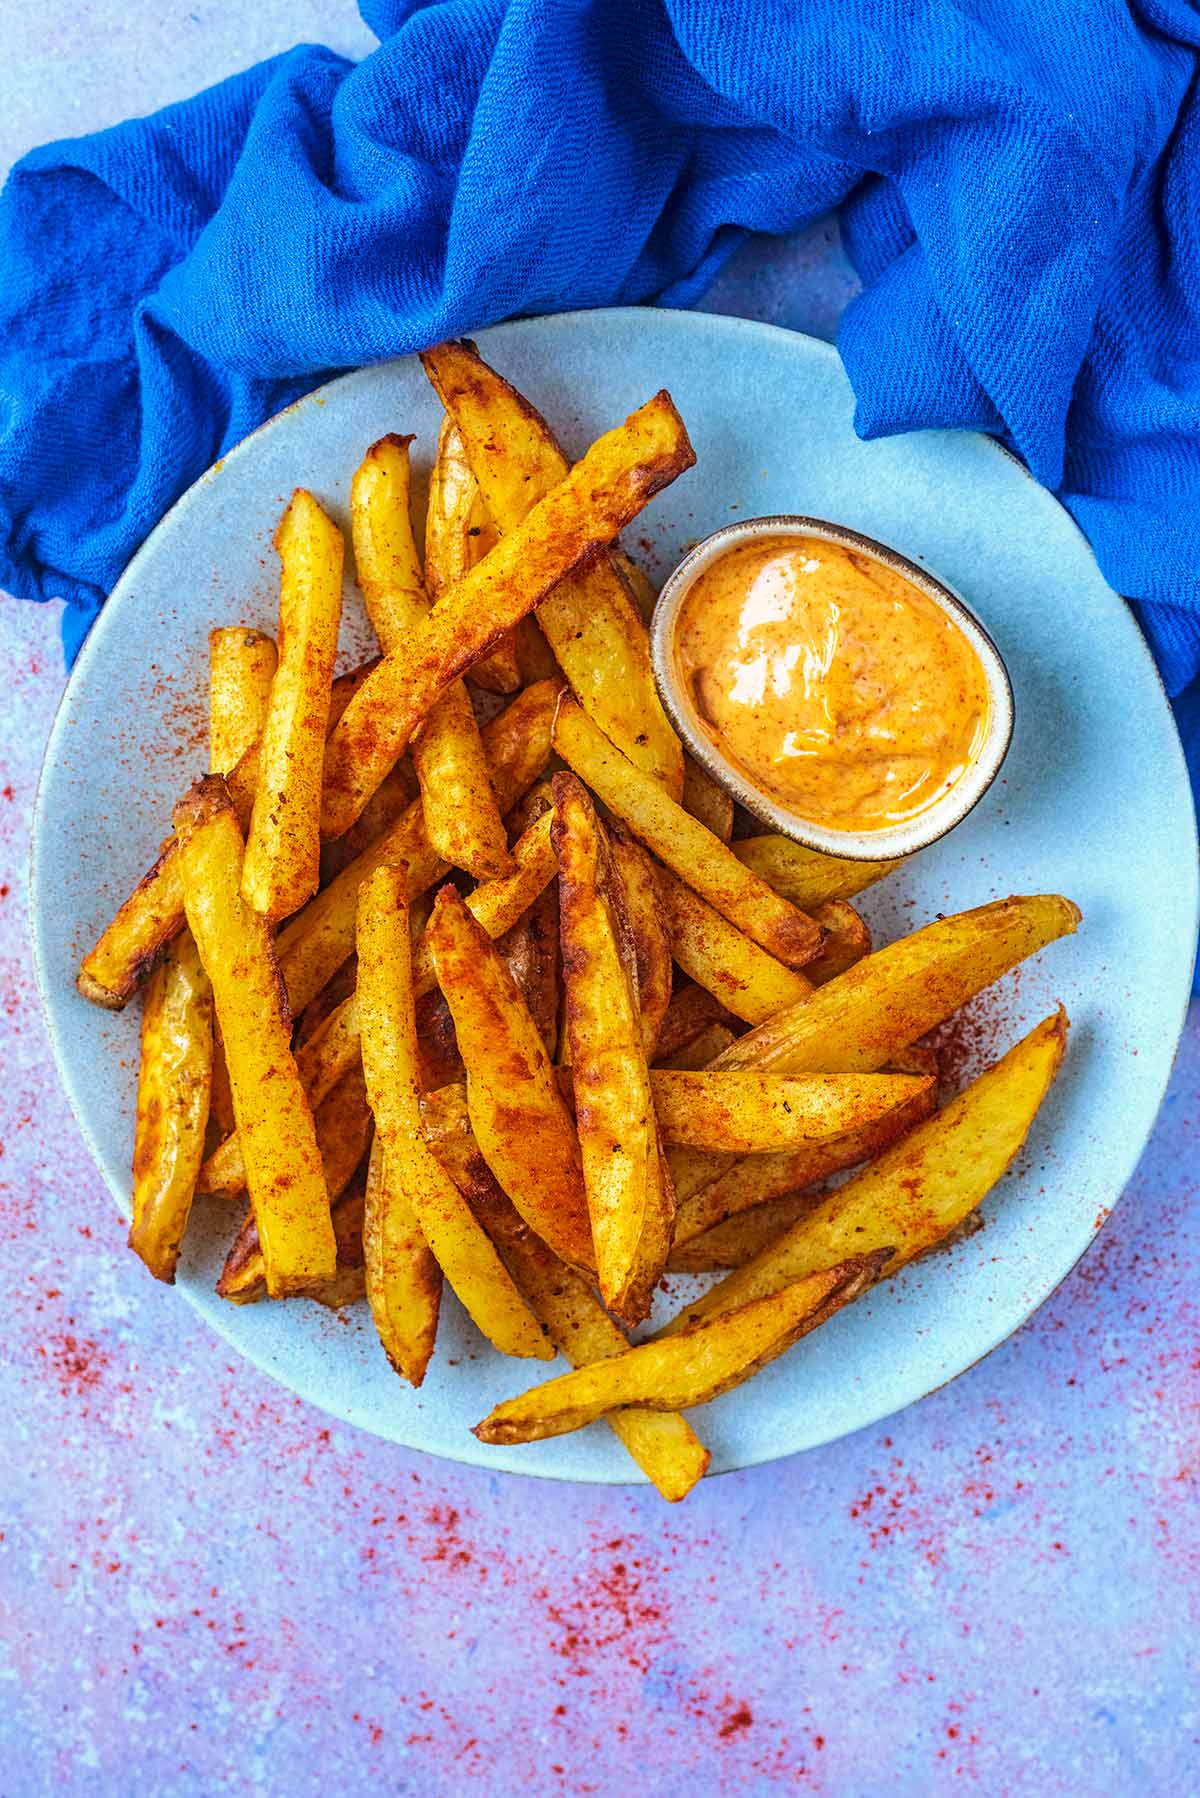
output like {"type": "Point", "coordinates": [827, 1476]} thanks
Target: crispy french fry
{"type": "Point", "coordinates": [387, 804]}
{"type": "Point", "coordinates": [630, 1205]}
{"type": "Point", "coordinates": [712, 1187]}
{"type": "Point", "coordinates": [689, 1368]}
{"type": "Point", "coordinates": [691, 1011]}
{"type": "Point", "coordinates": [535, 658]}
{"type": "Point", "coordinates": [520, 1119]}
{"type": "Point", "coordinates": [459, 533]}
{"type": "Point", "coordinates": [499, 904]}
{"type": "Point", "coordinates": [641, 588]}
{"type": "Point", "coordinates": [681, 841]}
{"type": "Point", "coordinates": [410, 1181]}
{"type": "Point", "coordinates": [130, 947]}
{"type": "Point", "coordinates": [740, 1237]}
{"type": "Point", "coordinates": [589, 619]}
{"type": "Point", "coordinates": [531, 955]}
{"type": "Point", "coordinates": [662, 1444]}
{"type": "Point", "coordinates": [174, 1082]}
{"type": "Point", "coordinates": [315, 944]}
{"type": "Point", "coordinates": [282, 865]}
{"type": "Point", "coordinates": [241, 666]}
{"type": "Point", "coordinates": [917, 1191]}
{"type": "Point", "coordinates": [847, 940]}
{"type": "Point", "coordinates": [889, 999]}
{"type": "Point", "coordinates": [805, 876]}
{"type": "Point", "coordinates": [651, 933]}
{"type": "Point", "coordinates": [610, 485]}
{"type": "Point", "coordinates": [704, 799]}
{"type": "Point", "coordinates": [747, 1112]}
{"type": "Point", "coordinates": [702, 1049]}
{"type": "Point", "coordinates": [403, 1281]}
{"type": "Point", "coordinates": [461, 815]}
{"type": "Point", "coordinates": [275, 1125]}
{"type": "Point", "coordinates": [718, 956]}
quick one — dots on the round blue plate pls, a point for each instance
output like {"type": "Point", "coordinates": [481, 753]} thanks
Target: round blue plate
{"type": "Point", "coordinates": [1093, 802]}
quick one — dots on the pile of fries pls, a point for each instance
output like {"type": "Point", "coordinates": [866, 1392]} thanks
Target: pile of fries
{"type": "Point", "coordinates": [512, 1005]}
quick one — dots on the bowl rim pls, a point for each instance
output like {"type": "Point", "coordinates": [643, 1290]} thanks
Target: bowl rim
{"type": "Point", "coordinates": [869, 845]}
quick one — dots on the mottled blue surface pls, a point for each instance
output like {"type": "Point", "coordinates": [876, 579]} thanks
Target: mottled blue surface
{"type": "Point", "coordinates": [205, 1587]}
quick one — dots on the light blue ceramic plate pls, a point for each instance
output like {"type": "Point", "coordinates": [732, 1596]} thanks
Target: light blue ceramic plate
{"type": "Point", "coordinates": [1093, 801]}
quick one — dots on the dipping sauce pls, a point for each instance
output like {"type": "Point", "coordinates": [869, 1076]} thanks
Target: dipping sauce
{"type": "Point", "coordinates": [841, 690]}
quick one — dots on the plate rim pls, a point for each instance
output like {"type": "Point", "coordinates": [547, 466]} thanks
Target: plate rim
{"type": "Point", "coordinates": [473, 1454]}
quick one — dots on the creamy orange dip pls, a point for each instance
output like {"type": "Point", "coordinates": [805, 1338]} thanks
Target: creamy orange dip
{"type": "Point", "coordinates": [837, 686]}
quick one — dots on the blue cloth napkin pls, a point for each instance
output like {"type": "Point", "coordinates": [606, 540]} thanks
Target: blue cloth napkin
{"type": "Point", "coordinates": [1018, 183]}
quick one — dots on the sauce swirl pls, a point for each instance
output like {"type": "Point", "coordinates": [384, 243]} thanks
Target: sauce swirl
{"type": "Point", "coordinates": [840, 689]}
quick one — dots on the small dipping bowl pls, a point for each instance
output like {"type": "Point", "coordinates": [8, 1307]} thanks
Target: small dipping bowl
{"type": "Point", "coordinates": [891, 841]}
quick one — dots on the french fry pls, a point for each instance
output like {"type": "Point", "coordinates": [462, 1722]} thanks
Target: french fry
{"type": "Point", "coordinates": [461, 815]}
{"type": "Point", "coordinates": [805, 876]}
{"type": "Point", "coordinates": [174, 1082]}
{"type": "Point", "coordinates": [535, 658]}
{"type": "Point", "coordinates": [691, 1011]}
{"type": "Point", "coordinates": [608, 487]}
{"type": "Point", "coordinates": [131, 945]}
{"type": "Point", "coordinates": [847, 940]}
{"type": "Point", "coordinates": [889, 999]}
{"type": "Point", "coordinates": [734, 1242]}
{"type": "Point", "coordinates": [630, 1203]}
{"type": "Point", "coordinates": [651, 933]}
{"type": "Point", "coordinates": [689, 1368]}
{"type": "Point", "coordinates": [283, 1164]}
{"type": "Point", "coordinates": [641, 588]}
{"type": "Point", "coordinates": [705, 800]}
{"type": "Point", "coordinates": [711, 1042]}
{"type": "Point", "coordinates": [662, 1444]}
{"type": "Point", "coordinates": [387, 804]}
{"type": "Point", "coordinates": [723, 959]}
{"type": "Point", "coordinates": [531, 955]}
{"type": "Point", "coordinates": [499, 904]}
{"type": "Point", "coordinates": [917, 1191]}
{"type": "Point", "coordinates": [681, 841]}
{"type": "Point", "coordinates": [747, 1112]}
{"type": "Point", "coordinates": [241, 666]}
{"type": "Point", "coordinates": [282, 865]}
{"type": "Point", "coordinates": [315, 944]}
{"type": "Point", "coordinates": [518, 1114]}
{"type": "Point", "coordinates": [403, 1281]}
{"type": "Point", "coordinates": [411, 1183]}
{"type": "Point", "coordinates": [459, 533]}
{"type": "Point", "coordinates": [712, 1187]}
{"type": "Point", "coordinates": [589, 619]}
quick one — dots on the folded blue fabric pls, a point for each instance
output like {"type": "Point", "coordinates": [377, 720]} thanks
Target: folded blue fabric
{"type": "Point", "coordinates": [1019, 185]}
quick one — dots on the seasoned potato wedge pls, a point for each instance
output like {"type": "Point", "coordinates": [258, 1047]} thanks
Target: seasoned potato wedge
{"type": "Point", "coordinates": [462, 818]}
{"type": "Point", "coordinates": [734, 1242]}
{"type": "Point", "coordinates": [692, 1010]}
{"type": "Point", "coordinates": [689, 1368]}
{"type": "Point", "coordinates": [919, 1190]}
{"type": "Point", "coordinates": [590, 621]}
{"type": "Point", "coordinates": [724, 960]}
{"type": "Point", "coordinates": [313, 946]}
{"type": "Point", "coordinates": [681, 841]}
{"type": "Point", "coordinates": [402, 1278]}
{"type": "Point", "coordinates": [531, 955]}
{"type": "Point", "coordinates": [651, 933]}
{"type": "Point", "coordinates": [805, 876]}
{"type": "Point", "coordinates": [630, 1203]}
{"type": "Point", "coordinates": [847, 940]}
{"type": "Point", "coordinates": [520, 1119]}
{"type": "Point", "coordinates": [283, 1164]}
{"type": "Point", "coordinates": [609, 486]}
{"type": "Point", "coordinates": [174, 1084]}
{"type": "Point", "coordinates": [410, 1182]}
{"type": "Point", "coordinates": [711, 1042]}
{"type": "Point", "coordinates": [282, 864]}
{"type": "Point", "coordinates": [663, 1444]}
{"type": "Point", "coordinates": [706, 800]}
{"type": "Point", "coordinates": [499, 904]}
{"type": "Point", "coordinates": [889, 999]}
{"type": "Point", "coordinates": [241, 667]}
{"type": "Point", "coordinates": [458, 533]}
{"type": "Point", "coordinates": [748, 1112]}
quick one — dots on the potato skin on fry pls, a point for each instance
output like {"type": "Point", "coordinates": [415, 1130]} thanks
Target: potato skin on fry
{"type": "Point", "coordinates": [919, 1190]}
{"type": "Point", "coordinates": [275, 1125]}
{"type": "Point", "coordinates": [681, 841]}
{"type": "Point", "coordinates": [723, 959]}
{"type": "Point", "coordinates": [283, 846]}
{"type": "Point", "coordinates": [691, 1367]}
{"type": "Point", "coordinates": [518, 1114]}
{"type": "Point", "coordinates": [174, 1083]}
{"type": "Point", "coordinates": [590, 620]}
{"type": "Point", "coordinates": [614, 480]}
{"type": "Point", "coordinates": [743, 1111]}
{"type": "Point", "coordinates": [630, 1203]}
{"type": "Point", "coordinates": [651, 932]}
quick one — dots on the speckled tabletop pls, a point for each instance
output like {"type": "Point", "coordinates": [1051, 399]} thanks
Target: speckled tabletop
{"type": "Point", "coordinates": [205, 1586]}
